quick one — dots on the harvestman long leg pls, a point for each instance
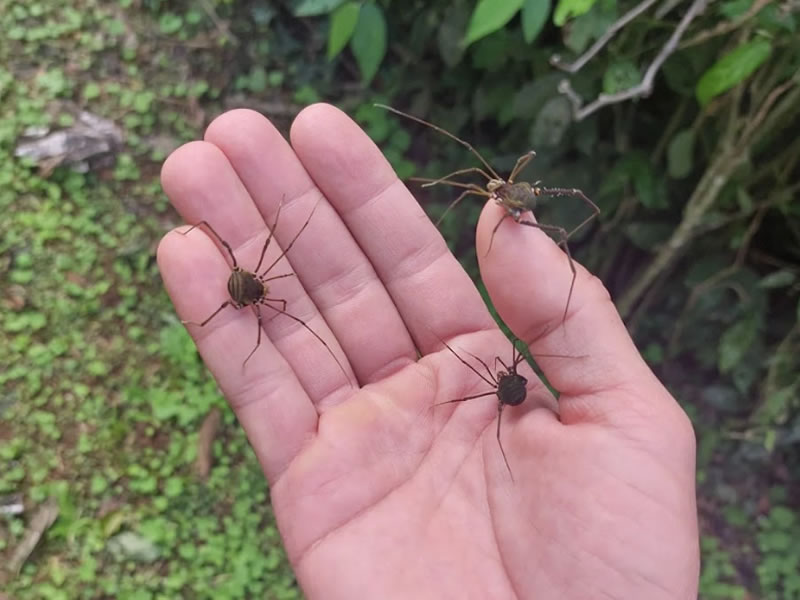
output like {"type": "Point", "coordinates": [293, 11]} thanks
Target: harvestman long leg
{"type": "Point", "coordinates": [446, 178]}
{"type": "Point", "coordinates": [216, 235]}
{"type": "Point", "coordinates": [522, 162]}
{"type": "Point", "coordinates": [464, 143]}
{"type": "Point", "coordinates": [575, 193]}
{"type": "Point", "coordinates": [470, 189]}
{"type": "Point", "coordinates": [214, 314]}
{"type": "Point", "coordinates": [303, 323]}
{"type": "Point", "coordinates": [269, 237]}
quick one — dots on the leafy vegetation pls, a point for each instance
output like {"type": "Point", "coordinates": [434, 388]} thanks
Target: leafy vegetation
{"type": "Point", "coordinates": [104, 400]}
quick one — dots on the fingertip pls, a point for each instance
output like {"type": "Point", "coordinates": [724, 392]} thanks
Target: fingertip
{"type": "Point", "coordinates": [180, 257]}
{"type": "Point", "coordinates": [233, 121]}
{"type": "Point", "coordinates": [260, 155]}
{"type": "Point", "coordinates": [183, 172]}
{"type": "Point", "coordinates": [338, 154]}
{"type": "Point", "coordinates": [166, 246]}
{"type": "Point", "coordinates": [313, 117]}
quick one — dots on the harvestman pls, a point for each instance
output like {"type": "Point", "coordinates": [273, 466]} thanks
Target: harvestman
{"type": "Point", "coordinates": [517, 198]}
{"type": "Point", "coordinates": [509, 386]}
{"type": "Point", "coordinates": [250, 288]}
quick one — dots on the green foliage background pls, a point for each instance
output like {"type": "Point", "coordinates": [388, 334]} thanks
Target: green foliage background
{"type": "Point", "coordinates": [101, 393]}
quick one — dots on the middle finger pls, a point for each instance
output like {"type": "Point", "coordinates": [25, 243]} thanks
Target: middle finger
{"type": "Point", "coordinates": [331, 266]}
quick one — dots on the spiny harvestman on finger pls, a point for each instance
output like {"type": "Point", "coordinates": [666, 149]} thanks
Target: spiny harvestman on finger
{"type": "Point", "coordinates": [509, 386]}
{"type": "Point", "coordinates": [250, 288]}
{"type": "Point", "coordinates": [516, 198]}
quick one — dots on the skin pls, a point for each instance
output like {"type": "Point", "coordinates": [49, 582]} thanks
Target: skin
{"type": "Point", "coordinates": [377, 494]}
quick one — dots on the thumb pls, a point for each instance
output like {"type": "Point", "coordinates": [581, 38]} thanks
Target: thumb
{"type": "Point", "coordinates": [528, 278]}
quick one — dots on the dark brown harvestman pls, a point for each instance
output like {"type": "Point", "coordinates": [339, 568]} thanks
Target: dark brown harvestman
{"type": "Point", "coordinates": [250, 288]}
{"type": "Point", "coordinates": [509, 386]}
{"type": "Point", "coordinates": [517, 198]}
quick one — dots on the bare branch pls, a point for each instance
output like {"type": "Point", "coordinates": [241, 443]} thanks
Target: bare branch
{"type": "Point", "coordinates": [644, 88]}
{"type": "Point", "coordinates": [629, 16]}
{"type": "Point", "coordinates": [725, 27]}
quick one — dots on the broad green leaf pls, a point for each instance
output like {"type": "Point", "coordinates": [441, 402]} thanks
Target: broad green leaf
{"type": "Point", "coordinates": [620, 75]}
{"type": "Point", "coordinates": [635, 168]}
{"type": "Point", "coordinates": [489, 16]}
{"type": "Point", "coordinates": [735, 343]}
{"type": "Point", "coordinates": [778, 279]}
{"type": "Point", "coordinates": [312, 8]}
{"type": "Point", "coordinates": [534, 16]}
{"type": "Point", "coordinates": [734, 8]}
{"type": "Point", "coordinates": [551, 123]}
{"type": "Point", "coordinates": [679, 154]}
{"type": "Point", "coordinates": [566, 9]}
{"type": "Point", "coordinates": [343, 24]}
{"type": "Point", "coordinates": [588, 27]}
{"type": "Point", "coordinates": [774, 18]}
{"type": "Point", "coordinates": [492, 53]}
{"type": "Point", "coordinates": [369, 40]}
{"type": "Point", "coordinates": [733, 68]}
{"type": "Point", "coordinates": [782, 517]}
{"type": "Point", "coordinates": [450, 33]}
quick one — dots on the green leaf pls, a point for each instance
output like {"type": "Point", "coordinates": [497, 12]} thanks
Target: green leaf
{"type": "Point", "coordinates": [534, 16]}
{"type": "Point", "coordinates": [312, 8]}
{"type": "Point", "coordinates": [733, 68]}
{"type": "Point", "coordinates": [91, 91]}
{"type": "Point", "coordinates": [551, 123]}
{"type": "Point", "coordinates": [450, 33]}
{"type": "Point", "coordinates": [489, 16]}
{"type": "Point", "coordinates": [679, 154]}
{"type": "Point", "coordinates": [566, 9]}
{"type": "Point", "coordinates": [734, 8]}
{"type": "Point", "coordinates": [782, 517]}
{"type": "Point", "coordinates": [257, 82]}
{"type": "Point", "coordinates": [777, 279]}
{"type": "Point", "coordinates": [635, 168]}
{"type": "Point", "coordinates": [369, 40]}
{"type": "Point", "coordinates": [343, 23]}
{"type": "Point", "coordinates": [773, 18]}
{"type": "Point", "coordinates": [170, 23]}
{"type": "Point", "coordinates": [588, 27]}
{"type": "Point", "coordinates": [735, 343]}
{"type": "Point", "coordinates": [620, 75]}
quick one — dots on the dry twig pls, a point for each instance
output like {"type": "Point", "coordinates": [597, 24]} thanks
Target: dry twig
{"type": "Point", "coordinates": [205, 443]}
{"type": "Point", "coordinates": [732, 151]}
{"type": "Point", "coordinates": [629, 16]}
{"type": "Point", "coordinates": [44, 516]}
{"type": "Point", "coordinates": [644, 88]}
{"type": "Point", "coordinates": [725, 26]}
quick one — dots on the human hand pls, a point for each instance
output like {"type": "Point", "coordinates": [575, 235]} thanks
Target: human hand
{"type": "Point", "coordinates": [377, 494]}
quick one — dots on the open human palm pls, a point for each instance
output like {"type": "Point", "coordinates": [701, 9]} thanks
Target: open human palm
{"type": "Point", "coordinates": [378, 493]}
